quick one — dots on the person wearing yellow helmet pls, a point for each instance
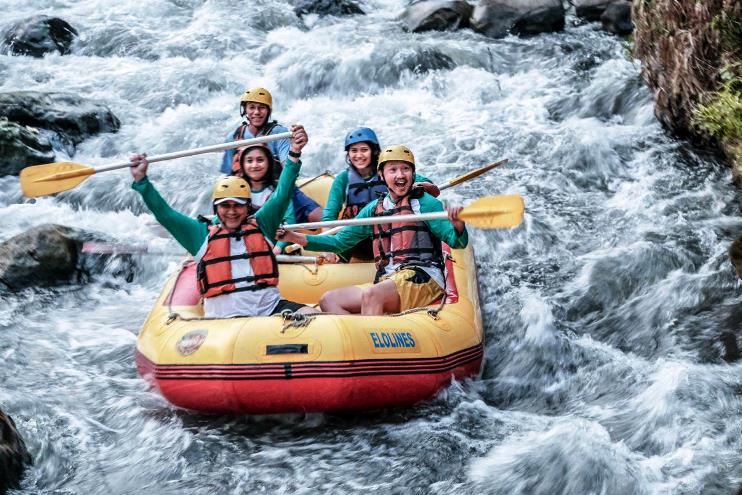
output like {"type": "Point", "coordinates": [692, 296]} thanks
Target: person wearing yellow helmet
{"type": "Point", "coordinates": [408, 255]}
{"type": "Point", "coordinates": [256, 107]}
{"type": "Point", "coordinates": [237, 270]}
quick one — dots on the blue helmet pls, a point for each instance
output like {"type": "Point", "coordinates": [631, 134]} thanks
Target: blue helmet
{"type": "Point", "coordinates": [360, 135]}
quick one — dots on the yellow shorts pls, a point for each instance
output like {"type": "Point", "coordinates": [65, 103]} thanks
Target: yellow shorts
{"type": "Point", "coordinates": [415, 288]}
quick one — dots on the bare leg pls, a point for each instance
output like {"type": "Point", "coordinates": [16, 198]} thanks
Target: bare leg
{"type": "Point", "coordinates": [344, 301]}
{"type": "Point", "coordinates": [315, 215]}
{"type": "Point", "coordinates": [380, 299]}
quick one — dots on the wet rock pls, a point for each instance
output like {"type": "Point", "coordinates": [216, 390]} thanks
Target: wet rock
{"type": "Point", "coordinates": [327, 7]}
{"type": "Point", "coordinates": [590, 10]}
{"type": "Point", "coordinates": [50, 254]}
{"type": "Point", "coordinates": [14, 456]}
{"type": "Point", "coordinates": [498, 18]}
{"type": "Point", "coordinates": [21, 146]}
{"type": "Point", "coordinates": [72, 117]}
{"type": "Point", "coordinates": [437, 15]}
{"type": "Point", "coordinates": [617, 18]}
{"type": "Point", "coordinates": [735, 255]}
{"type": "Point", "coordinates": [39, 35]}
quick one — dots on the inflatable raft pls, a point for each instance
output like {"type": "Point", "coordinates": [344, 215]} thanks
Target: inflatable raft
{"type": "Point", "coordinates": [264, 365]}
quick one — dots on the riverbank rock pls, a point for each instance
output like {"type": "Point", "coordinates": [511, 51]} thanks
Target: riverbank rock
{"type": "Point", "coordinates": [692, 61]}
{"type": "Point", "coordinates": [21, 146]}
{"type": "Point", "coordinates": [590, 10]}
{"type": "Point", "coordinates": [616, 18]}
{"type": "Point", "coordinates": [39, 35]}
{"type": "Point", "coordinates": [14, 456]}
{"type": "Point", "coordinates": [327, 7]}
{"type": "Point", "coordinates": [498, 18]}
{"type": "Point", "coordinates": [437, 15]}
{"type": "Point", "coordinates": [51, 254]}
{"type": "Point", "coordinates": [72, 117]}
{"type": "Point", "coordinates": [735, 255]}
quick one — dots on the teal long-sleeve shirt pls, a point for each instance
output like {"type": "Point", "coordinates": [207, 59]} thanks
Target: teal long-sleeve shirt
{"type": "Point", "coordinates": [350, 236]}
{"type": "Point", "coordinates": [191, 233]}
{"type": "Point", "coordinates": [338, 195]}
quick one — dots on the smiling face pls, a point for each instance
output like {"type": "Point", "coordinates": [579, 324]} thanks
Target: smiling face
{"type": "Point", "coordinates": [255, 165]}
{"type": "Point", "coordinates": [399, 177]}
{"type": "Point", "coordinates": [256, 113]}
{"type": "Point", "coordinates": [360, 155]}
{"type": "Point", "coordinates": [231, 214]}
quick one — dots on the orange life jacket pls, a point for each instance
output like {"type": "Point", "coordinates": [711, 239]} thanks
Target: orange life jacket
{"type": "Point", "coordinates": [239, 135]}
{"type": "Point", "coordinates": [214, 271]}
{"type": "Point", "coordinates": [409, 244]}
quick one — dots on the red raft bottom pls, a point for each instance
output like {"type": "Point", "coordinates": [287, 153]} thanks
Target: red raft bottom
{"type": "Point", "coordinates": [308, 387]}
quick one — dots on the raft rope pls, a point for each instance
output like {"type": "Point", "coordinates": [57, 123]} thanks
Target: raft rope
{"type": "Point", "coordinates": [295, 320]}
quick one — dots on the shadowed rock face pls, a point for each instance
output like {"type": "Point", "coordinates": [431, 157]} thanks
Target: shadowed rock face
{"type": "Point", "coordinates": [13, 455]}
{"type": "Point", "coordinates": [437, 15]}
{"type": "Point", "coordinates": [72, 117]}
{"type": "Point", "coordinates": [327, 7]}
{"type": "Point", "coordinates": [590, 10]}
{"type": "Point", "coordinates": [617, 18]}
{"type": "Point", "coordinates": [498, 18]}
{"type": "Point", "coordinates": [38, 36]}
{"type": "Point", "coordinates": [21, 146]}
{"type": "Point", "coordinates": [735, 254]}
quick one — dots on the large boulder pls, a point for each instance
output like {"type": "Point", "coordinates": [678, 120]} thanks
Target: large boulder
{"type": "Point", "coordinates": [72, 117]}
{"type": "Point", "coordinates": [498, 18]}
{"type": "Point", "coordinates": [617, 18]}
{"type": "Point", "coordinates": [39, 35]}
{"type": "Point", "coordinates": [21, 146]}
{"type": "Point", "coordinates": [14, 456]}
{"type": "Point", "coordinates": [327, 7]}
{"type": "Point", "coordinates": [437, 15]}
{"type": "Point", "coordinates": [590, 10]}
{"type": "Point", "coordinates": [50, 254]}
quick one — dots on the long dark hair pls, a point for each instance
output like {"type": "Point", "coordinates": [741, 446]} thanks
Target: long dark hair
{"type": "Point", "coordinates": [269, 179]}
{"type": "Point", "coordinates": [375, 152]}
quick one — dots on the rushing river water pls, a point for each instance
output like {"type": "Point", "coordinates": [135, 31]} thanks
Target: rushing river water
{"type": "Point", "coordinates": [605, 312]}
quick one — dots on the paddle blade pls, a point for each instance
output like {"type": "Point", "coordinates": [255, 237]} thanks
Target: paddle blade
{"type": "Point", "coordinates": [42, 180]}
{"type": "Point", "coordinates": [475, 173]}
{"type": "Point", "coordinates": [495, 212]}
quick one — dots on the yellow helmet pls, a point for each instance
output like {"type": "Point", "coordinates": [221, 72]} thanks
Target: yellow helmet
{"type": "Point", "coordinates": [396, 152]}
{"type": "Point", "coordinates": [230, 189]}
{"type": "Point", "coordinates": [258, 95]}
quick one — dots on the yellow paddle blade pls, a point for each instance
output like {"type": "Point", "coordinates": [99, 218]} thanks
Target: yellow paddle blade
{"type": "Point", "coordinates": [42, 180]}
{"type": "Point", "coordinates": [475, 173]}
{"type": "Point", "coordinates": [494, 212]}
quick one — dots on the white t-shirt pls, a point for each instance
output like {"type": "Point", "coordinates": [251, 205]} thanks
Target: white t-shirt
{"type": "Point", "coordinates": [260, 302]}
{"type": "Point", "coordinates": [389, 269]}
{"type": "Point", "coordinates": [259, 198]}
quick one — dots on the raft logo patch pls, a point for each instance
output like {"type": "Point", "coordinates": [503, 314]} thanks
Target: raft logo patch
{"type": "Point", "coordinates": [190, 342]}
{"type": "Point", "coordinates": [393, 342]}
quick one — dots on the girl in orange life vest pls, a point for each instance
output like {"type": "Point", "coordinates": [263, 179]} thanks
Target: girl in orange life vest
{"type": "Point", "coordinates": [408, 255]}
{"type": "Point", "coordinates": [256, 167]}
{"type": "Point", "coordinates": [232, 283]}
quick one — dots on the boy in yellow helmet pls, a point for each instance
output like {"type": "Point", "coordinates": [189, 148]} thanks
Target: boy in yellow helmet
{"type": "Point", "coordinates": [237, 271]}
{"type": "Point", "coordinates": [408, 255]}
{"type": "Point", "coordinates": [256, 106]}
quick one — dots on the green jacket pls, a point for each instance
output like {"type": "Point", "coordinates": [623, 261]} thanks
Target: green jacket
{"type": "Point", "coordinates": [350, 236]}
{"type": "Point", "coordinates": [338, 194]}
{"type": "Point", "coordinates": [192, 233]}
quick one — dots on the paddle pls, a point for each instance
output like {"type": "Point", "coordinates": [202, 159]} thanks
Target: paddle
{"type": "Point", "coordinates": [451, 182]}
{"type": "Point", "coordinates": [104, 248]}
{"type": "Point", "coordinates": [50, 178]}
{"type": "Point", "coordinates": [489, 212]}
{"type": "Point", "coordinates": [470, 175]}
